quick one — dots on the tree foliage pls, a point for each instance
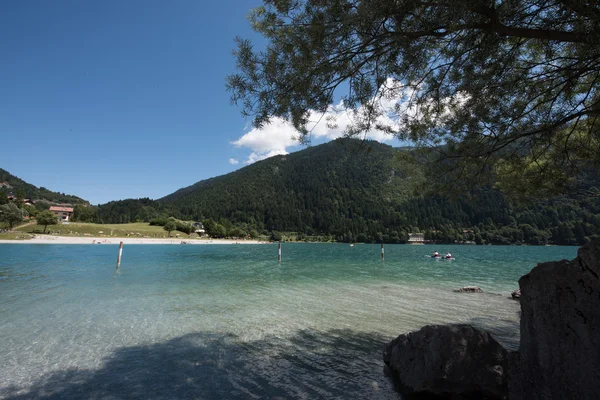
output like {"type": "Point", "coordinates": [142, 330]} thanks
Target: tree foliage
{"type": "Point", "coordinates": [46, 218]}
{"type": "Point", "coordinates": [20, 194]}
{"type": "Point", "coordinates": [11, 214]}
{"type": "Point", "coordinates": [184, 227]}
{"type": "Point", "coordinates": [506, 88]}
{"type": "Point", "coordinates": [29, 209]}
{"type": "Point", "coordinates": [169, 227]}
{"type": "Point", "coordinates": [236, 233]}
{"type": "Point", "coordinates": [132, 210]}
{"type": "Point", "coordinates": [84, 213]}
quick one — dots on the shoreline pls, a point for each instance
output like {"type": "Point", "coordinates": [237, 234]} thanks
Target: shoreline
{"type": "Point", "coordinates": [49, 239]}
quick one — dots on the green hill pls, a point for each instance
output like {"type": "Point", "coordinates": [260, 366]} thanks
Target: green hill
{"type": "Point", "coordinates": [12, 184]}
{"type": "Point", "coordinates": [336, 187]}
{"type": "Point", "coordinates": [350, 190]}
{"type": "Point", "coordinates": [345, 190]}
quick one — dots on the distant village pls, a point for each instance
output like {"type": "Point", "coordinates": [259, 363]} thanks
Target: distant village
{"type": "Point", "coordinates": [64, 212]}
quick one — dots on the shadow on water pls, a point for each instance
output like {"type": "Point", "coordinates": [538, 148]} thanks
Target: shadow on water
{"type": "Point", "coordinates": [310, 364]}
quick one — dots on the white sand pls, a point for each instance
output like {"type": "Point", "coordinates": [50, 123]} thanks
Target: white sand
{"type": "Point", "coordinates": [48, 239]}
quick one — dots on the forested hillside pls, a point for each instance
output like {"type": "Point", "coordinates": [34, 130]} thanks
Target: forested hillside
{"type": "Point", "coordinates": [337, 187]}
{"type": "Point", "coordinates": [24, 190]}
{"type": "Point", "coordinates": [350, 190]}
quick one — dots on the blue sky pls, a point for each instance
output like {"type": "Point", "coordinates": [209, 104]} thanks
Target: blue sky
{"type": "Point", "coordinates": [124, 99]}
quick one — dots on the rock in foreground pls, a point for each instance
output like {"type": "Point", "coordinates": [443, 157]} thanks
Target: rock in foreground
{"type": "Point", "coordinates": [447, 361]}
{"type": "Point", "coordinates": [559, 355]}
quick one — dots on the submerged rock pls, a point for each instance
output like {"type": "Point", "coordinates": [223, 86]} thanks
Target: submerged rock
{"type": "Point", "coordinates": [559, 355]}
{"type": "Point", "coordinates": [448, 361]}
{"type": "Point", "coordinates": [469, 289]}
{"type": "Point", "coordinates": [516, 294]}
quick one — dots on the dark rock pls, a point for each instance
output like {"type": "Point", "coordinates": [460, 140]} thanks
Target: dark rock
{"type": "Point", "coordinates": [516, 294]}
{"type": "Point", "coordinates": [469, 289]}
{"type": "Point", "coordinates": [559, 355]}
{"type": "Point", "coordinates": [450, 361]}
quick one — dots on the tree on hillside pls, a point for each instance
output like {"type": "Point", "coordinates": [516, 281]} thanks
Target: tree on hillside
{"type": "Point", "coordinates": [219, 231]}
{"type": "Point", "coordinates": [83, 213]}
{"type": "Point", "coordinates": [3, 198]}
{"type": "Point", "coordinates": [505, 89]}
{"type": "Point", "coordinates": [30, 210]}
{"type": "Point", "coordinates": [184, 227]}
{"type": "Point", "coordinates": [170, 226]}
{"type": "Point", "coordinates": [11, 214]}
{"type": "Point", "coordinates": [20, 194]}
{"type": "Point", "coordinates": [46, 218]}
{"type": "Point", "coordinates": [209, 226]}
{"type": "Point", "coordinates": [236, 233]}
{"type": "Point", "coordinates": [276, 236]}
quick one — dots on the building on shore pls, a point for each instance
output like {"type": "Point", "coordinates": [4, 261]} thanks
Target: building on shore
{"type": "Point", "coordinates": [64, 213]}
{"type": "Point", "coordinates": [198, 228]}
{"type": "Point", "coordinates": [416, 238]}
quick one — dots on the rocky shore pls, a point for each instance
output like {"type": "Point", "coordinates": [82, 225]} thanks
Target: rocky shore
{"type": "Point", "coordinates": [559, 353]}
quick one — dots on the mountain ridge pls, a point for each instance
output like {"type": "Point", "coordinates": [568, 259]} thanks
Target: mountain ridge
{"type": "Point", "coordinates": [351, 190]}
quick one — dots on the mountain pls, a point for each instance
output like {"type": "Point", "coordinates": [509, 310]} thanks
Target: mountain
{"type": "Point", "coordinates": [351, 190]}
{"type": "Point", "coordinates": [328, 188]}
{"type": "Point", "coordinates": [12, 184]}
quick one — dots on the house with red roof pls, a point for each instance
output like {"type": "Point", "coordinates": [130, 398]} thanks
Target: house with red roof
{"type": "Point", "coordinates": [64, 213]}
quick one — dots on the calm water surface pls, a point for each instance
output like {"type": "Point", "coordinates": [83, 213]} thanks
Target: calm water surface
{"type": "Point", "coordinates": [228, 321]}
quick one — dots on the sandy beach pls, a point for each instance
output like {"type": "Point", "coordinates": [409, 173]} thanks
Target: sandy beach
{"type": "Point", "coordinates": [49, 239]}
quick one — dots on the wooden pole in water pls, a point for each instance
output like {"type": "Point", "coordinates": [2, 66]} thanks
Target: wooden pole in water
{"type": "Point", "coordinates": [382, 253]}
{"type": "Point", "coordinates": [120, 254]}
{"type": "Point", "coordinates": [279, 256]}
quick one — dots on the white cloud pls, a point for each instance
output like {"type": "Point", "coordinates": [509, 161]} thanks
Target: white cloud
{"type": "Point", "coordinates": [254, 157]}
{"type": "Point", "coordinates": [272, 139]}
{"type": "Point", "coordinates": [278, 136]}
{"type": "Point", "coordinates": [233, 161]}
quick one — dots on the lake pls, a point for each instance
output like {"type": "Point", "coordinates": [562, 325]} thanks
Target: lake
{"type": "Point", "coordinates": [229, 321]}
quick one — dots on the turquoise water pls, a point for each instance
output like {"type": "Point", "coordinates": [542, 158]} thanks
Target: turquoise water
{"type": "Point", "coordinates": [228, 321]}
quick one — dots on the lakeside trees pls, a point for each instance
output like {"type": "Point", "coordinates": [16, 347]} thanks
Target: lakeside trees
{"type": "Point", "coordinates": [46, 218]}
{"type": "Point", "coordinates": [509, 88]}
{"type": "Point", "coordinates": [83, 213]}
{"type": "Point", "coordinates": [169, 227]}
{"type": "Point", "coordinates": [11, 214]}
